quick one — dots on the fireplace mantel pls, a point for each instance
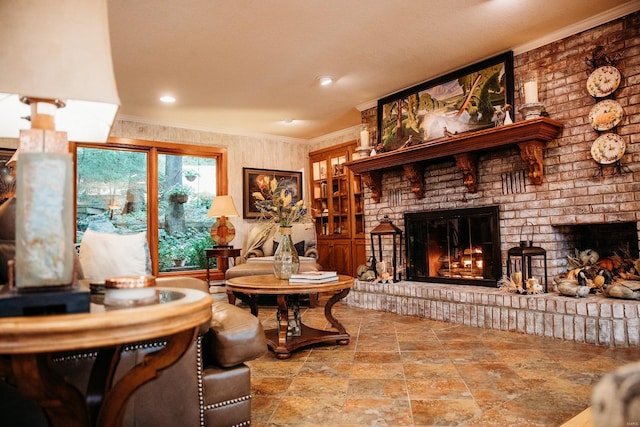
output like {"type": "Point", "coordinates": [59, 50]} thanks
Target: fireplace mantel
{"type": "Point", "coordinates": [530, 136]}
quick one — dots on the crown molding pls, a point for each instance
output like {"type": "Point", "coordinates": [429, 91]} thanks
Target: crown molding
{"type": "Point", "coordinates": [367, 105]}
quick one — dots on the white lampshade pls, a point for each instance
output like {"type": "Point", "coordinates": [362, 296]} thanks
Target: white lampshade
{"type": "Point", "coordinates": [222, 206]}
{"type": "Point", "coordinates": [57, 57]}
{"type": "Point", "coordinates": [57, 50]}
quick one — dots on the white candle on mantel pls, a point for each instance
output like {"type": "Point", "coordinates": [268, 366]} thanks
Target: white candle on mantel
{"type": "Point", "coordinates": [364, 138]}
{"type": "Point", "coordinates": [531, 92]}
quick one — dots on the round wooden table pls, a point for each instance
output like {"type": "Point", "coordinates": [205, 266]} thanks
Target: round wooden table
{"type": "Point", "coordinates": [282, 340]}
{"type": "Point", "coordinates": [29, 343]}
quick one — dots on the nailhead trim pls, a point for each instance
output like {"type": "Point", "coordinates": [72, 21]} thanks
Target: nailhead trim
{"type": "Point", "coordinates": [200, 375]}
{"type": "Point", "coordinates": [77, 356]}
{"type": "Point", "coordinates": [145, 345]}
{"type": "Point", "coordinates": [228, 402]}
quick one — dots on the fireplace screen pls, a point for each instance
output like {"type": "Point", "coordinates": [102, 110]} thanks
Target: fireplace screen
{"type": "Point", "coordinates": [457, 246]}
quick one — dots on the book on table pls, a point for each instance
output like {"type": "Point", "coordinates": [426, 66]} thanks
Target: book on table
{"type": "Point", "coordinates": [314, 277]}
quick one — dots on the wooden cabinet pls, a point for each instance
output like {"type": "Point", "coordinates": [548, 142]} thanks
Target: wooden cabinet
{"type": "Point", "coordinates": [337, 207]}
{"type": "Point", "coordinates": [335, 254]}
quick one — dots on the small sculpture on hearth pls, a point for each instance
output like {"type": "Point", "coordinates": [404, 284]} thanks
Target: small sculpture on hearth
{"type": "Point", "coordinates": [624, 289]}
{"type": "Point", "coordinates": [571, 288]}
{"type": "Point", "coordinates": [365, 271]}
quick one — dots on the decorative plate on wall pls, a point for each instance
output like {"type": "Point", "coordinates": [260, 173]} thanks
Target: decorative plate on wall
{"type": "Point", "coordinates": [605, 115]}
{"type": "Point", "coordinates": [608, 148]}
{"type": "Point", "coordinates": [603, 81]}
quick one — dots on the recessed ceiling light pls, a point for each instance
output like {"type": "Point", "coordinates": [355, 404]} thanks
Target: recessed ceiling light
{"type": "Point", "coordinates": [325, 80]}
{"type": "Point", "coordinates": [167, 99]}
{"type": "Point", "coordinates": [287, 121]}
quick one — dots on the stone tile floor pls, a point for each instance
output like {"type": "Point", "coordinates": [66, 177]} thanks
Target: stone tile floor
{"type": "Point", "coordinates": [406, 371]}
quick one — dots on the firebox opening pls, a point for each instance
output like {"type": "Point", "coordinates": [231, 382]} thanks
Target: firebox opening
{"type": "Point", "coordinates": [606, 239]}
{"type": "Point", "coordinates": [455, 246]}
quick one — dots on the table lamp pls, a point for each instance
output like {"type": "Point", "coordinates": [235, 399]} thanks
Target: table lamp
{"type": "Point", "coordinates": [56, 68]}
{"type": "Point", "coordinates": [222, 231]}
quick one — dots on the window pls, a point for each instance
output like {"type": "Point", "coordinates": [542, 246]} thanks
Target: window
{"type": "Point", "coordinates": [186, 186]}
{"type": "Point", "coordinates": [129, 186]}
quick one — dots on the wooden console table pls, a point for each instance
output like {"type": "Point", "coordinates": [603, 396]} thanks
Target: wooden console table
{"type": "Point", "coordinates": [530, 136]}
{"type": "Point", "coordinates": [29, 342]}
{"type": "Point", "coordinates": [279, 340]}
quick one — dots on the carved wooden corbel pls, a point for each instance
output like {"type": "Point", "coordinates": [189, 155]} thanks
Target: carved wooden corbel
{"type": "Point", "coordinates": [532, 154]}
{"type": "Point", "coordinates": [414, 172]}
{"type": "Point", "coordinates": [466, 164]}
{"type": "Point", "coordinates": [373, 181]}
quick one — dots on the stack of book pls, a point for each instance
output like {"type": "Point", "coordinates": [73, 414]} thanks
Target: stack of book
{"type": "Point", "coordinates": [314, 277]}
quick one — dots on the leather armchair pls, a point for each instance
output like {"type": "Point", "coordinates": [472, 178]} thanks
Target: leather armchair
{"type": "Point", "coordinates": [209, 386]}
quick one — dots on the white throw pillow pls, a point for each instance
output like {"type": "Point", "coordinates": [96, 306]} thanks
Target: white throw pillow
{"type": "Point", "coordinates": [104, 255]}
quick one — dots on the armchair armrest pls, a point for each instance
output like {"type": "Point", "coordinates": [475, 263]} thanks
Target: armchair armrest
{"type": "Point", "coordinates": [235, 335]}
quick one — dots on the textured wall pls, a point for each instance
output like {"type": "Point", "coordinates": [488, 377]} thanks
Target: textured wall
{"type": "Point", "coordinates": [263, 152]}
{"type": "Point", "coordinates": [572, 191]}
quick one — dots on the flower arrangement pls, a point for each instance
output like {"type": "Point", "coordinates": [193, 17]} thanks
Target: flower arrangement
{"type": "Point", "coordinates": [276, 205]}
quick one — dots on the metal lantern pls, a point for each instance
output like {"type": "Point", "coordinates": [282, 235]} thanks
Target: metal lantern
{"type": "Point", "coordinates": [386, 228]}
{"type": "Point", "coordinates": [520, 257]}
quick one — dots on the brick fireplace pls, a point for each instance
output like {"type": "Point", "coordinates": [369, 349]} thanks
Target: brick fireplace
{"type": "Point", "coordinates": [574, 198]}
{"type": "Point", "coordinates": [459, 246]}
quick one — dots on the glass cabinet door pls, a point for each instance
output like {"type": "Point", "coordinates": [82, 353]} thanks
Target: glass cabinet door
{"type": "Point", "coordinates": [358, 205]}
{"type": "Point", "coordinates": [320, 201]}
{"type": "Point", "coordinates": [339, 200]}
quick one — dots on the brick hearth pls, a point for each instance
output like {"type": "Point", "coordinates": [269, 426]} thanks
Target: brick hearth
{"type": "Point", "coordinates": [595, 319]}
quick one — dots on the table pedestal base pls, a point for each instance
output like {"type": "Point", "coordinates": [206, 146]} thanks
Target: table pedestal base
{"type": "Point", "coordinates": [282, 342]}
{"type": "Point", "coordinates": [291, 334]}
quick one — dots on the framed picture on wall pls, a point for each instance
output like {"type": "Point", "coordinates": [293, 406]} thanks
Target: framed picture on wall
{"type": "Point", "coordinates": [462, 101]}
{"type": "Point", "coordinates": [255, 180]}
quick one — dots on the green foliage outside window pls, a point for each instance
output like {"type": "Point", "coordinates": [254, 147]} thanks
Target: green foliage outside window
{"type": "Point", "coordinates": [112, 197]}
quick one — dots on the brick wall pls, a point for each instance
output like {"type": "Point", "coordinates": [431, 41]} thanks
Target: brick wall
{"type": "Point", "coordinates": [573, 192]}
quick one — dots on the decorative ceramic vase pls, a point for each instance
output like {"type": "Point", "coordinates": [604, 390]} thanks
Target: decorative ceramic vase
{"type": "Point", "coordinates": [285, 258]}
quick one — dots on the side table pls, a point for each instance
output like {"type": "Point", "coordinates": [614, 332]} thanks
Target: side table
{"type": "Point", "coordinates": [222, 254]}
{"type": "Point", "coordinates": [28, 342]}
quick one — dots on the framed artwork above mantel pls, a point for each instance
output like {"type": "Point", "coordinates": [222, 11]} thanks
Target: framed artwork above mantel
{"type": "Point", "coordinates": [463, 101]}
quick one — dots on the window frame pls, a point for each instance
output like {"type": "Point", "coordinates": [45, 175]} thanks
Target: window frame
{"type": "Point", "coordinates": [153, 149]}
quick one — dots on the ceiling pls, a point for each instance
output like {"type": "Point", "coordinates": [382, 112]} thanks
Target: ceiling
{"type": "Point", "coordinates": [246, 66]}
